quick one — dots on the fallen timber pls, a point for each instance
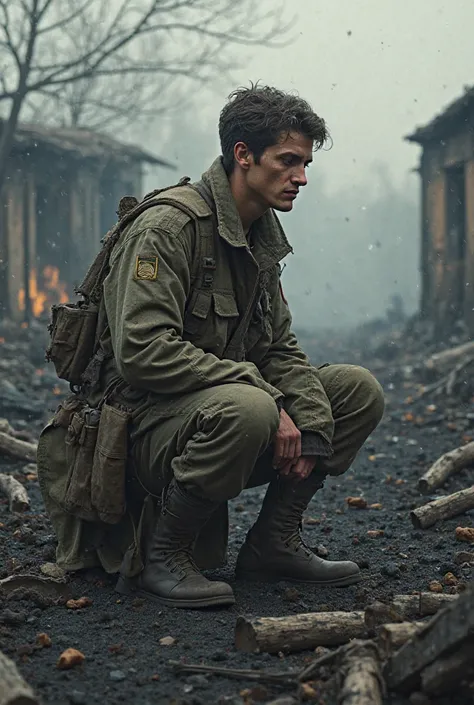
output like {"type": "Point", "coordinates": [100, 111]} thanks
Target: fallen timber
{"type": "Point", "coordinates": [447, 631]}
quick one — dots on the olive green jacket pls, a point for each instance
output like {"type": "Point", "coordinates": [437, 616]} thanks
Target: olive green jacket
{"type": "Point", "coordinates": [171, 334]}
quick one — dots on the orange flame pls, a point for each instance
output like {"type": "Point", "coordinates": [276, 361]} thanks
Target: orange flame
{"type": "Point", "coordinates": [54, 291]}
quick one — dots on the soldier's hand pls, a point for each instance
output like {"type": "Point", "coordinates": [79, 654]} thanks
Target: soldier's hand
{"type": "Point", "coordinates": [303, 467]}
{"type": "Point", "coordinates": [287, 444]}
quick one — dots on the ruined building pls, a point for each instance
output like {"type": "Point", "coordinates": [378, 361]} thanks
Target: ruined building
{"type": "Point", "coordinates": [60, 198]}
{"type": "Point", "coordinates": [447, 232]}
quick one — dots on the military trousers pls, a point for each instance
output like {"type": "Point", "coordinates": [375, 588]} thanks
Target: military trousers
{"type": "Point", "coordinates": [218, 441]}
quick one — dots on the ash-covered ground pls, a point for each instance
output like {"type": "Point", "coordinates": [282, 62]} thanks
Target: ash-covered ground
{"type": "Point", "coordinates": [125, 660]}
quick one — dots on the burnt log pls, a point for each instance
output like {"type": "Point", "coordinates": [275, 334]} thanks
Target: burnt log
{"type": "Point", "coordinates": [443, 508]}
{"type": "Point", "coordinates": [392, 636]}
{"type": "Point", "coordinates": [404, 607]}
{"type": "Point", "coordinates": [449, 630]}
{"type": "Point", "coordinates": [17, 448]}
{"type": "Point", "coordinates": [298, 632]}
{"type": "Point", "coordinates": [447, 465]}
{"type": "Point", "coordinates": [448, 672]}
{"type": "Point", "coordinates": [361, 675]}
{"type": "Point", "coordinates": [13, 689]}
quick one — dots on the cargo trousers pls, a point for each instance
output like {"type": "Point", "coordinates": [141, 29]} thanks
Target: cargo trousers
{"type": "Point", "coordinates": [218, 441]}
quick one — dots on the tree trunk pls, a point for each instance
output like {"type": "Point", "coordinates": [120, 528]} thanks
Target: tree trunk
{"type": "Point", "coordinates": [443, 508]}
{"type": "Point", "coordinates": [7, 135]}
{"type": "Point", "coordinates": [298, 632]}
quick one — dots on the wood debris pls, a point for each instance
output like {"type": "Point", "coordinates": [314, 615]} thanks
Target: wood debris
{"type": "Point", "coordinates": [13, 689]}
{"type": "Point", "coordinates": [298, 632]}
{"type": "Point", "coordinates": [18, 500]}
{"type": "Point", "coordinates": [443, 508]}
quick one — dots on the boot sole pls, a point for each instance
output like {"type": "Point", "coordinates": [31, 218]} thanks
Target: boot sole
{"type": "Point", "coordinates": [126, 586]}
{"type": "Point", "coordinates": [259, 576]}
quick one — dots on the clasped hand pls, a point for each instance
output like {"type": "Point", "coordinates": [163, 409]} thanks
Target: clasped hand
{"type": "Point", "coordinates": [287, 458]}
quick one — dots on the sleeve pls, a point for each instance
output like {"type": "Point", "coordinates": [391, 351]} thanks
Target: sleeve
{"type": "Point", "coordinates": [145, 294]}
{"type": "Point", "coordinates": [286, 367]}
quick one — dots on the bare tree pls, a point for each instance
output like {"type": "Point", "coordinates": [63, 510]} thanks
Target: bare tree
{"type": "Point", "coordinates": [89, 59]}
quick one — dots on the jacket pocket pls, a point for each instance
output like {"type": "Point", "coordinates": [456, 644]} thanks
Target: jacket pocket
{"type": "Point", "coordinates": [208, 319]}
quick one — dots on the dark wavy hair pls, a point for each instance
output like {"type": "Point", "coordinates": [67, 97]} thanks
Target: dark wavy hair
{"type": "Point", "coordinates": [259, 115]}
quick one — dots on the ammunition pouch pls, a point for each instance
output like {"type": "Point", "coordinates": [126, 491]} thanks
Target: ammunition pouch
{"type": "Point", "coordinates": [110, 464]}
{"type": "Point", "coordinates": [73, 334]}
{"type": "Point", "coordinates": [96, 458]}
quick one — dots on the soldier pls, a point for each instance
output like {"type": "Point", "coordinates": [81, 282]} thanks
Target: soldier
{"type": "Point", "coordinates": [223, 398]}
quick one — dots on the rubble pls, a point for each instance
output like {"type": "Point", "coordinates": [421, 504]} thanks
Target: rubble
{"type": "Point", "coordinates": [389, 481]}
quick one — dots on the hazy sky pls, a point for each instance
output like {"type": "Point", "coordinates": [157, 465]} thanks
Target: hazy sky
{"type": "Point", "coordinates": [374, 69]}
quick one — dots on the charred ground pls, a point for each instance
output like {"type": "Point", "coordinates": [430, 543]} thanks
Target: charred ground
{"type": "Point", "coordinates": [121, 639]}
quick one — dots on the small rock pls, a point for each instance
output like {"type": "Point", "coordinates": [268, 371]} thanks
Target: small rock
{"type": "Point", "coordinates": [198, 680]}
{"type": "Point", "coordinates": [69, 659]}
{"type": "Point", "coordinates": [450, 579]}
{"type": "Point", "coordinates": [375, 533]}
{"type": "Point", "coordinates": [465, 534]}
{"type": "Point", "coordinates": [356, 502]}
{"type": "Point", "coordinates": [464, 557]}
{"type": "Point", "coordinates": [43, 640]}
{"type": "Point", "coordinates": [53, 571]}
{"type": "Point", "coordinates": [79, 604]}
{"type": "Point", "coordinates": [435, 586]}
{"type": "Point", "coordinates": [291, 594]}
{"type": "Point", "coordinates": [12, 618]}
{"type": "Point", "coordinates": [219, 655]}
{"type": "Point", "coordinates": [77, 697]}
{"type": "Point", "coordinates": [391, 570]}
{"type": "Point", "coordinates": [167, 641]}
{"type": "Point", "coordinates": [117, 676]}
{"type": "Point", "coordinates": [321, 551]}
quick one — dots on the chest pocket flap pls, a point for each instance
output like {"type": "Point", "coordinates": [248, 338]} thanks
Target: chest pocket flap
{"type": "Point", "coordinates": [197, 319]}
{"type": "Point", "coordinates": [225, 305]}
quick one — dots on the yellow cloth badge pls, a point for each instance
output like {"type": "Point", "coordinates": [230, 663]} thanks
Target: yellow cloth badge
{"type": "Point", "coordinates": [146, 268]}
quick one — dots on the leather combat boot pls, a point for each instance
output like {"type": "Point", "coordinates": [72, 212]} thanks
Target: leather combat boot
{"type": "Point", "coordinates": [170, 575]}
{"type": "Point", "coordinates": [274, 548]}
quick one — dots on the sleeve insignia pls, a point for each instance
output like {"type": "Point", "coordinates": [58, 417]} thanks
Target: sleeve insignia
{"type": "Point", "coordinates": [146, 268]}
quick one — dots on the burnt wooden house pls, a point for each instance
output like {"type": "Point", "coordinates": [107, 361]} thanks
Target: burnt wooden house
{"type": "Point", "coordinates": [447, 234]}
{"type": "Point", "coordinates": [60, 198]}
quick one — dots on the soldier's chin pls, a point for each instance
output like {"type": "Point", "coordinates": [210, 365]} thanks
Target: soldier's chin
{"type": "Point", "coordinates": [283, 206]}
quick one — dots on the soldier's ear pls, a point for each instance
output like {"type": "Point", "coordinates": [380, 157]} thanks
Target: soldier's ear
{"type": "Point", "coordinates": [242, 155]}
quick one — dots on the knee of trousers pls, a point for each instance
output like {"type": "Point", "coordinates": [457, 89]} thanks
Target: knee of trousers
{"type": "Point", "coordinates": [254, 415]}
{"type": "Point", "coordinates": [368, 395]}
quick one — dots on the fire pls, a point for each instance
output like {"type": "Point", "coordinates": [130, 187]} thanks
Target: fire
{"type": "Point", "coordinates": [54, 291]}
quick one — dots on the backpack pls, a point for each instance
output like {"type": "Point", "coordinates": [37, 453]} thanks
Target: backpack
{"type": "Point", "coordinates": [76, 328]}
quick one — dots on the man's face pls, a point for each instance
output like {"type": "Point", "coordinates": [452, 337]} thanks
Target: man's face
{"type": "Point", "coordinates": [276, 181]}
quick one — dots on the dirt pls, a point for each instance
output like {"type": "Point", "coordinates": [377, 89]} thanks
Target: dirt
{"type": "Point", "coordinates": [120, 637]}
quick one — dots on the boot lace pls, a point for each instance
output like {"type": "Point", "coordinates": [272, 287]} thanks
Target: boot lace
{"type": "Point", "coordinates": [181, 561]}
{"type": "Point", "coordinates": [296, 542]}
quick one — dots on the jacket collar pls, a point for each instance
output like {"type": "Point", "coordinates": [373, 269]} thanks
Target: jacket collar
{"type": "Point", "coordinates": [271, 244]}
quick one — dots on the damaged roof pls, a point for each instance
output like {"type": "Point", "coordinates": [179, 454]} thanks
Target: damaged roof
{"type": "Point", "coordinates": [83, 144]}
{"type": "Point", "coordinates": [462, 109]}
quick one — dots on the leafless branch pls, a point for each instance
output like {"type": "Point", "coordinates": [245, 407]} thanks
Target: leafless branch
{"type": "Point", "coordinates": [102, 63]}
